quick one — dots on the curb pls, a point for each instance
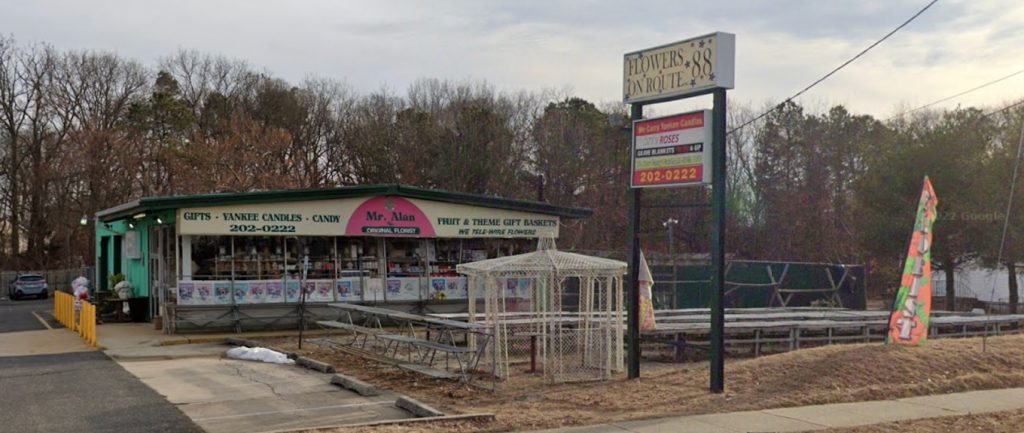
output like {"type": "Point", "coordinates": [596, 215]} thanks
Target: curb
{"type": "Point", "coordinates": [313, 364]}
{"type": "Point", "coordinates": [240, 342]}
{"type": "Point", "coordinates": [466, 417]}
{"type": "Point", "coordinates": [176, 339]}
{"type": "Point", "coordinates": [353, 384]}
{"type": "Point", "coordinates": [417, 407]}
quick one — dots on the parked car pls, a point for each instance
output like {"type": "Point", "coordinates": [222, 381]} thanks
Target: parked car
{"type": "Point", "coordinates": [28, 285]}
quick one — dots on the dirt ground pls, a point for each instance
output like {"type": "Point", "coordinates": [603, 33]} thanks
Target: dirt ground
{"type": "Point", "coordinates": [997, 422]}
{"type": "Point", "coordinates": [832, 374]}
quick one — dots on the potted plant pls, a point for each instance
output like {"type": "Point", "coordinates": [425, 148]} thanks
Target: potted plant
{"type": "Point", "coordinates": [121, 285]}
{"type": "Point", "coordinates": [114, 279]}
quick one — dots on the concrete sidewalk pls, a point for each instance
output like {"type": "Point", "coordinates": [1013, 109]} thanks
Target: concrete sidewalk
{"type": "Point", "coordinates": [230, 396]}
{"type": "Point", "coordinates": [44, 342]}
{"type": "Point", "coordinates": [134, 335]}
{"type": "Point", "coordinates": [840, 415]}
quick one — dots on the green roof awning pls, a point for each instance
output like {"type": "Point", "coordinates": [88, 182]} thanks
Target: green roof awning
{"type": "Point", "coordinates": [154, 204]}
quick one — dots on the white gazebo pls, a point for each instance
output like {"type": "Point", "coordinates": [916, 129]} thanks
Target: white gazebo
{"type": "Point", "coordinates": [563, 311]}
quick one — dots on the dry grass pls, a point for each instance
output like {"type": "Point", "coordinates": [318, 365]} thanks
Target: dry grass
{"type": "Point", "coordinates": [832, 374]}
{"type": "Point", "coordinates": [996, 422]}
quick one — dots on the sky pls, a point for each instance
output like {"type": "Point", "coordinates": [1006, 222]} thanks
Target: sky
{"type": "Point", "coordinates": [781, 45]}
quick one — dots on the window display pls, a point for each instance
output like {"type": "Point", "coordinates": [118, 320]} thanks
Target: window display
{"type": "Point", "coordinates": [269, 269]}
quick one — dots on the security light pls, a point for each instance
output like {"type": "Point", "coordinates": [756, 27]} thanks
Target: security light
{"type": "Point", "coordinates": [84, 220]}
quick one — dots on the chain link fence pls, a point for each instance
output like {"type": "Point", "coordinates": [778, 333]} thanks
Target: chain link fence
{"type": "Point", "coordinates": [552, 313]}
{"type": "Point", "coordinates": [56, 279]}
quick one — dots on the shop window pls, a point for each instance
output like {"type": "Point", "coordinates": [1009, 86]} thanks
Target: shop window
{"type": "Point", "coordinates": [358, 257]}
{"type": "Point", "coordinates": [211, 258]}
{"type": "Point", "coordinates": [405, 258]}
{"type": "Point", "coordinates": [473, 250]}
{"type": "Point", "coordinates": [445, 254]}
{"type": "Point", "coordinates": [320, 252]}
{"type": "Point", "coordinates": [258, 257]}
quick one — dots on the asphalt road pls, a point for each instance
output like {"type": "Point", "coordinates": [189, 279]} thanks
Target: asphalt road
{"type": "Point", "coordinates": [81, 392]}
{"type": "Point", "coordinates": [18, 315]}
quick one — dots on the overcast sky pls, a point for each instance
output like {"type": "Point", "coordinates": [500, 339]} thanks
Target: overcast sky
{"type": "Point", "coordinates": [782, 45]}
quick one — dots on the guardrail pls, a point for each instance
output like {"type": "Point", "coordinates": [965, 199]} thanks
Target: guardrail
{"type": "Point", "coordinates": [64, 312]}
{"type": "Point", "coordinates": [64, 309]}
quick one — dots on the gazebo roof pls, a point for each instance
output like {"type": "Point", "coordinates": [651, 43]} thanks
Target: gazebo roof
{"type": "Point", "coordinates": [545, 260]}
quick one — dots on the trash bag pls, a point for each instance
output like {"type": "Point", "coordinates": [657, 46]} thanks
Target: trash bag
{"type": "Point", "coordinates": [79, 282]}
{"type": "Point", "coordinates": [80, 291]}
{"type": "Point", "coordinates": [259, 354]}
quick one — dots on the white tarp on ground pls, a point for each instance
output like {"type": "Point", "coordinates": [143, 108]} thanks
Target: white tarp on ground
{"type": "Point", "coordinates": [259, 354]}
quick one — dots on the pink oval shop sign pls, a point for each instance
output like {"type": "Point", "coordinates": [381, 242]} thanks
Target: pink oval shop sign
{"type": "Point", "coordinates": [389, 216]}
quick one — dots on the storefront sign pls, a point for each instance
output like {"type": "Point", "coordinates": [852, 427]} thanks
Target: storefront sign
{"type": "Point", "coordinates": [386, 216]}
{"type": "Point", "coordinates": [678, 69]}
{"type": "Point", "coordinates": [672, 151]}
{"type": "Point", "coordinates": [389, 216]}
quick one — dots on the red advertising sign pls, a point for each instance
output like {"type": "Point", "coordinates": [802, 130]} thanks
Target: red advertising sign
{"type": "Point", "coordinates": [389, 216]}
{"type": "Point", "coordinates": [672, 151]}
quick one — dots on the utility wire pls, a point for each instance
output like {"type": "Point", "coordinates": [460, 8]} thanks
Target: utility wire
{"type": "Point", "coordinates": [960, 94]}
{"type": "Point", "coordinates": [1006, 224]}
{"type": "Point", "coordinates": [837, 69]}
{"type": "Point", "coordinates": [1004, 108]}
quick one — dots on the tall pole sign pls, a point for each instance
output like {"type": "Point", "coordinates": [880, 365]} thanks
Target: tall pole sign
{"type": "Point", "coordinates": [677, 151]}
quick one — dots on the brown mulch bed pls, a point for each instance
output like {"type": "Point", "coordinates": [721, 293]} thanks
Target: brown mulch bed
{"type": "Point", "coordinates": [832, 374]}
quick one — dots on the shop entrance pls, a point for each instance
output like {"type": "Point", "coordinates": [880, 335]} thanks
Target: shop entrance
{"type": "Point", "coordinates": [103, 263]}
{"type": "Point", "coordinates": [161, 266]}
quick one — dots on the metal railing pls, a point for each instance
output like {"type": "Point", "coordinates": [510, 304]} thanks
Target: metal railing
{"type": "Point", "coordinates": [64, 309]}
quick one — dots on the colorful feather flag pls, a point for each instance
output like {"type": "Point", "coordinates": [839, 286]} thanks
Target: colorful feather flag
{"type": "Point", "coordinates": [646, 298]}
{"type": "Point", "coordinates": [913, 306]}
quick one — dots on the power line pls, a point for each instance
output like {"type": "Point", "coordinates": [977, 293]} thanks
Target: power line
{"type": "Point", "coordinates": [960, 94]}
{"type": "Point", "coordinates": [837, 69]}
{"type": "Point", "coordinates": [1006, 225]}
{"type": "Point", "coordinates": [1004, 108]}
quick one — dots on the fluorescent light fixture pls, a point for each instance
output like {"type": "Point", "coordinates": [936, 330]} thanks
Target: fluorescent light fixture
{"type": "Point", "coordinates": [159, 220]}
{"type": "Point", "coordinates": [139, 216]}
{"type": "Point", "coordinates": [131, 225]}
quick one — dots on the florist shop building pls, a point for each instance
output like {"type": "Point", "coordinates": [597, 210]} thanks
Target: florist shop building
{"type": "Point", "coordinates": [245, 260]}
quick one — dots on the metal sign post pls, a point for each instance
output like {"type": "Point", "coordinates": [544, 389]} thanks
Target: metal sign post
{"type": "Point", "coordinates": [633, 289]}
{"type": "Point", "coordinates": [672, 152]}
{"type": "Point", "coordinates": [718, 244]}
{"type": "Point", "coordinates": [302, 297]}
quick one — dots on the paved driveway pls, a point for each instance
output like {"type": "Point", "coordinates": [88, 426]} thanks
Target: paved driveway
{"type": "Point", "coordinates": [25, 315]}
{"type": "Point", "coordinates": [81, 392]}
{"type": "Point", "coordinates": [228, 396]}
